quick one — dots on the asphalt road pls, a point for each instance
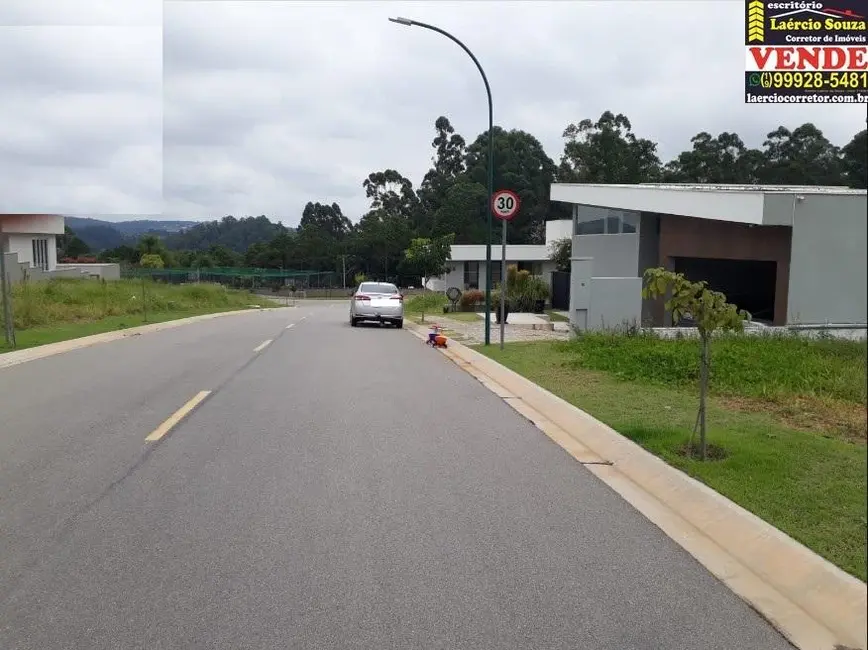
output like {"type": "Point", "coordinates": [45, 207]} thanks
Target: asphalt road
{"type": "Point", "coordinates": [340, 488]}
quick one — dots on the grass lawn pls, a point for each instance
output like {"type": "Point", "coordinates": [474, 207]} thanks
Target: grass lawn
{"type": "Point", "coordinates": [555, 317]}
{"type": "Point", "coordinates": [790, 413]}
{"type": "Point", "coordinates": [63, 309]}
{"type": "Point", "coordinates": [463, 316]}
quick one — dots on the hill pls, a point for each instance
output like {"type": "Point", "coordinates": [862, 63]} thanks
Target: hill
{"type": "Point", "coordinates": [235, 234]}
{"type": "Point", "coordinates": [100, 234]}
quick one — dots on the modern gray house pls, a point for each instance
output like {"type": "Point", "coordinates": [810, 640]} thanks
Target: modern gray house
{"type": "Point", "coordinates": [788, 255]}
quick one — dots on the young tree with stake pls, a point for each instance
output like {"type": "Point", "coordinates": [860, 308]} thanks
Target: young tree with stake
{"type": "Point", "coordinates": [711, 313]}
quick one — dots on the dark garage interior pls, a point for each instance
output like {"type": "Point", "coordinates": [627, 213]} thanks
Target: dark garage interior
{"type": "Point", "coordinates": [748, 284]}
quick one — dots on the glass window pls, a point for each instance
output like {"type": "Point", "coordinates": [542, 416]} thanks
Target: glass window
{"type": "Point", "coordinates": [495, 273]}
{"type": "Point", "coordinates": [377, 287]}
{"type": "Point", "coordinates": [534, 268]}
{"type": "Point", "coordinates": [595, 227]}
{"type": "Point", "coordinates": [630, 222]}
{"type": "Point", "coordinates": [613, 224]}
{"type": "Point", "coordinates": [40, 254]}
{"type": "Point", "coordinates": [471, 275]}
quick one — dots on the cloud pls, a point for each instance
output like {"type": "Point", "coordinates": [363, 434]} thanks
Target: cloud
{"type": "Point", "coordinates": [80, 114]}
{"type": "Point", "coordinates": [268, 105]}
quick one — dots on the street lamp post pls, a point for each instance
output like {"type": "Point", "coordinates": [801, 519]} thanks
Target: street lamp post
{"type": "Point", "coordinates": [415, 23]}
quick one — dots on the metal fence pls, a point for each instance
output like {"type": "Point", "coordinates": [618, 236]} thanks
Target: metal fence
{"type": "Point", "coordinates": [241, 278]}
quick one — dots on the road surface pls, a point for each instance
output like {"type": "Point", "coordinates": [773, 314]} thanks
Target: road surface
{"type": "Point", "coordinates": [338, 488]}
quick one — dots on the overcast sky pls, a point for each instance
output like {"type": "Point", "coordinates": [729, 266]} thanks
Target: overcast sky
{"type": "Point", "coordinates": [200, 109]}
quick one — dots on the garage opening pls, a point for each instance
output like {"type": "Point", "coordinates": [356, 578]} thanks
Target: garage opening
{"type": "Point", "coordinates": [748, 284]}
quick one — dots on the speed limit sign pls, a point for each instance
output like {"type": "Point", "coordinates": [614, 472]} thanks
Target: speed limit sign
{"type": "Point", "coordinates": [505, 204]}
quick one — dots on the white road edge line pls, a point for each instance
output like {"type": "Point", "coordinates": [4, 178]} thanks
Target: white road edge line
{"type": "Point", "coordinates": [262, 346]}
{"type": "Point", "coordinates": [289, 327]}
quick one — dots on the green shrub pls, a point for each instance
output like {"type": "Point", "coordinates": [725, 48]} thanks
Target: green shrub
{"type": "Point", "coordinates": [524, 289]}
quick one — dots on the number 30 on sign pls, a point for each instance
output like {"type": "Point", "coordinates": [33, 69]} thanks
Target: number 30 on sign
{"type": "Point", "coordinates": [505, 204]}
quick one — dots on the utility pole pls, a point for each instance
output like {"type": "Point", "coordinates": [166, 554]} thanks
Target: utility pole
{"type": "Point", "coordinates": [6, 293]}
{"type": "Point", "coordinates": [344, 271]}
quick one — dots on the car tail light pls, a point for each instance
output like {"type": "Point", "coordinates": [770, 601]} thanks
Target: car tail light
{"type": "Point", "coordinates": [397, 297]}
{"type": "Point", "coordinates": [362, 297]}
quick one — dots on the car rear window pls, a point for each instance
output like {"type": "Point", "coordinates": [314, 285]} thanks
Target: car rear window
{"type": "Point", "coordinates": [374, 287]}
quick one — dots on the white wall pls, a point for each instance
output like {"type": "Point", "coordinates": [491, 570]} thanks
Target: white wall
{"type": "Point", "coordinates": [107, 271]}
{"type": "Point", "coordinates": [23, 246]}
{"type": "Point", "coordinates": [598, 303]}
{"type": "Point", "coordinates": [614, 255]}
{"type": "Point", "coordinates": [615, 303]}
{"type": "Point", "coordinates": [455, 276]}
{"type": "Point", "coordinates": [828, 263]}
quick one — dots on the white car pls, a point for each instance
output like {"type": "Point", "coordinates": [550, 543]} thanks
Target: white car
{"type": "Point", "coordinates": [381, 302]}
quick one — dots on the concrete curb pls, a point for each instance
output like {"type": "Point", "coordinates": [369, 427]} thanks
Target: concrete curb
{"type": "Point", "coordinates": [813, 603]}
{"type": "Point", "coordinates": [16, 357]}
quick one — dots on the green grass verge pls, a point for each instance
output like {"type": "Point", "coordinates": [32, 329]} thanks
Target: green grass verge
{"type": "Point", "coordinates": [431, 305]}
{"type": "Point", "coordinates": [463, 316]}
{"type": "Point", "coordinates": [556, 317]}
{"type": "Point", "coordinates": [62, 309]}
{"type": "Point", "coordinates": [803, 472]}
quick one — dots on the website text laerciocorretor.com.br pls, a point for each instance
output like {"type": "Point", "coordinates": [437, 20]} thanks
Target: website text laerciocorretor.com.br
{"type": "Point", "coordinates": [775, 98]}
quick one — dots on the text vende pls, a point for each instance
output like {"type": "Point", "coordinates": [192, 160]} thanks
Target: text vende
{"type": "Point", "coordinates": [815, 57]}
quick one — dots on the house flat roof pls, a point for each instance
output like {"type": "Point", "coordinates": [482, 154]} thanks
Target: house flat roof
{"type": "Point", "coordinates": [736, 203]}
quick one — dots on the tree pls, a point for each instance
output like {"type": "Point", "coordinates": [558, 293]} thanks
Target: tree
{"type": "Point", "coordinates": [448, 168]}
{"type": "Point", "coordinates": [462, 212]}
{"type": "Point", "coordinates": [151, 261]}
{"type": "Point", "coordinates": [521, 165]}
{"type": "Point", "coordinates": [800, 157]}
{"type": "Point", "coordinates": [391, 192]}
{"type": "Point", "coordinates": [607, 151]}
{"type": "Point", "coordinates": [854, 161]}
{"type": "Point", "coordinates": [328, 219]}
{"type": "Point", "coordinates": [222, 256]}
{"type": "Point", "coordinates": [723, 159]}
{"type": "Point", "coordinates": [151, 245]}
{"type": "Point", "coordinates": [560, 253]}
{"type": "Point", "coordinates": [69, 245]}
{"type": "Point", "coordinates": [711, 313]}
{"type": "Point", "coordinates": [385, 231]}
{"type": "Point", "coordinates": [204, 261]}
{"type": "Point", "coordinates": [234, 234]}
{"type": "Point", "coordinates": [120, 255]}
{"type": "Point", "coordinates": [428, 257]}
{"type": "Point", "coordinates": [381, 238]}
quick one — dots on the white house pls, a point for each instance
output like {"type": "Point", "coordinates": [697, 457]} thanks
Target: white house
{"type": "Point", "coordinates": [28, 243]}
{"type": "Point", "coordinates": [32, 238]}
{"type": "Point", "coordinates": [467, 263]}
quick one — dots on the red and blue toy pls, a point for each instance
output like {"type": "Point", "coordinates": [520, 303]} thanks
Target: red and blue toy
{"type": "Point", "coordinates": [436, 338]}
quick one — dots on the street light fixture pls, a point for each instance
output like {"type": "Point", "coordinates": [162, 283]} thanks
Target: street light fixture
{"type": "Point", "coordinates": [415, 23]}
